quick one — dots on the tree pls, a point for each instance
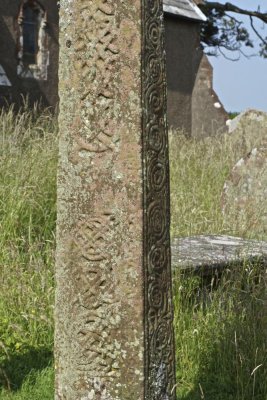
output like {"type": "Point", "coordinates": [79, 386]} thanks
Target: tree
{"type": "Point", "coordinates": [224, 32]}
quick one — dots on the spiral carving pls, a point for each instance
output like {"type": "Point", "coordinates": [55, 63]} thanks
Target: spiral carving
{"type": "Point", "coordinates": [155, 137]}
{"type": "Point", "coordinates": [157, 220]}
{"type": "Point", "coordinates": [157, 258]}
{"type": "Point", "coordinates": [155, 99]}
{"type": "Point", "coordinates": [160, 367]}
{"type": "Point", "coordinates": [157, 175]}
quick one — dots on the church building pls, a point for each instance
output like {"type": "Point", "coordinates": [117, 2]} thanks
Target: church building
{"type": "Point", "coordinates": [29, 62]}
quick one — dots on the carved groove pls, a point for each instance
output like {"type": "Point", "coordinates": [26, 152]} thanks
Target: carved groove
{"type": "Point", "coordinates": [159, 341]}
{"type": "Point", "coordinates": [94, 302]}
{"type": "Point", "coordinates": [96, 54]}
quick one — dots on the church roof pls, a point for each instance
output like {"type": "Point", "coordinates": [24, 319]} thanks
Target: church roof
{"type": "Point", "coordinates": [184, 8]}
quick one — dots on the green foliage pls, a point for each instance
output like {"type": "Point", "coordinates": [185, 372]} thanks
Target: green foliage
{"type": "Point", "coordinates": [224, 32]}
{"type": "Point", "coordinates": [233, 114]}
{"type": "Point", "coordinates": [27, 224]}
{"type": "Point", "coordinates": [38, 385]}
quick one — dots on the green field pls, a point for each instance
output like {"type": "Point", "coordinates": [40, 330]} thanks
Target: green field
{"type": "Point", "coordinates": [220, 345]}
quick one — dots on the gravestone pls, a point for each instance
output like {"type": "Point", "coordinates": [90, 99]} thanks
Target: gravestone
{"type": "Point", "coordinates": [248, 130]}
{"type": "Point", "coordinates": [212, 254]}
{"type": "Point", "coordinates": [213, 261]}
{"type": "Point", "coordinates": [113, 312]}
{"type": "Point", "coordinates": [244, 195]}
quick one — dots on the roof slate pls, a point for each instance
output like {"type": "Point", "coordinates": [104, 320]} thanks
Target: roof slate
{"type": "Point", "coordinates": [184, 8]}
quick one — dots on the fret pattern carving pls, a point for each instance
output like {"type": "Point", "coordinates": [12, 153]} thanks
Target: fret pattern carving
{"type": "Point", "coordinates": [159, 357]}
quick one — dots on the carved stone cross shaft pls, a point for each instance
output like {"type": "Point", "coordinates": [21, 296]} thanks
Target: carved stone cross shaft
{"type": "Point", "coordinates": [114, 335]}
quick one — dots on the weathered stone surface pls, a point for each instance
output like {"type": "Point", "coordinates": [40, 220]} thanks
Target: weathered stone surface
{"type": "Point", "coordinates": [215, 252]}
{"type": "Point", "coordinates": [248, 130]}
{"type": "Point", "coordinates": [245, 192]}
{"type": "Point", "coordinates": [246, 117]}
{"type": "Point", "coordinates": [113, 336]}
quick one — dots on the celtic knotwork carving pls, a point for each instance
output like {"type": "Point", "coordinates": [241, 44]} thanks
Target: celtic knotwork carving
{"type": "Point", "coordinates": [96, 53]}
{"type": "Point", "coordinates": [160, 368]}
{"type": "Point", "coordinates": [94, 303]}
{"type": "Point", "coordinates": [90, 236]}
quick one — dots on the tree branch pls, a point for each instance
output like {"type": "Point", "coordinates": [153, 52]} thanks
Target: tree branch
{"type": "Point", "coordinates": [256, 32]}
{"type": "Point", "coordinates": [232, 8]}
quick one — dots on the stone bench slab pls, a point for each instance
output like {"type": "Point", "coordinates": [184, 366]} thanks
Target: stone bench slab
{"type": "Point", "coordinates": [213, 253]}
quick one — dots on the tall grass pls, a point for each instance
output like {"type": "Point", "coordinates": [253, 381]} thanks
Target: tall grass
{"type": "Point", "coordinates": [220, 339]}
{"type": "Point", "coordinates": [28, 148]}
{"type": "Point", "coordinates": [220, 331]}
{"type": "Point", "coordinates": [221, 347]}
{"type": "Point", "coordinates": [199, 169]}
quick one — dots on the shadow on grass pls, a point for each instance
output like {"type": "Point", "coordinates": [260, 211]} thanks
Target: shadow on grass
{"type": "Point", "coordinates": [18, 367]}
{"type": "Point", "coordinates": [230, 348]}
{"type": "Point", "coordinates": [231, 370]}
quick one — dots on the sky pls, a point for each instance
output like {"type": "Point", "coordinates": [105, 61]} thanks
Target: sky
{"type": "Point", "coordinates": [242, 84]}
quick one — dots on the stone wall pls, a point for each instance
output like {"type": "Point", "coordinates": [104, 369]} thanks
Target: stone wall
{"type": "Point", "coordinates": [208, 114]}
{"type": "Point", "coordinates": [193, 105]}
{"type": "Point", "coordinates": [181, 41]}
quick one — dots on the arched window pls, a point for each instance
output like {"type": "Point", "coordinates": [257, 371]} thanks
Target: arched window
{"type": "Point", "coordinates": [33, 55]}
{"type": "Point", "coordinates": [30, 33]}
